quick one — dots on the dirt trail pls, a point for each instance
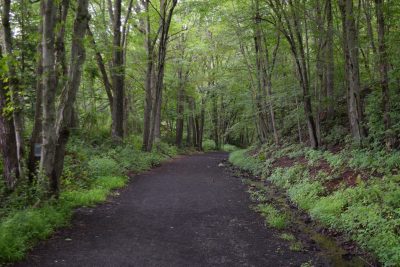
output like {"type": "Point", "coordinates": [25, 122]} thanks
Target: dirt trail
{"type": "Point", "coordinates": [188, 212]}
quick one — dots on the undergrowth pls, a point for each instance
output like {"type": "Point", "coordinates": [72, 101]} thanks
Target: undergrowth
{"type": "Point", "coordinates": [368, 212]}
{"type": "Point", "coordinates": [90, 174]}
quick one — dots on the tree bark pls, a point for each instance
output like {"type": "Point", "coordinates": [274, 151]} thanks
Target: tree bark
{"type": "Point", "coordinates": [8, 144]}
{"type": "Point", "coordinates": [68, 95]}
{"type": "Point", "coordinates": [13, 85]}
{"type": "Point", "coordinates": [180, 109]}
{"type": "Point", "coordinates": [117, 76]}
{"type": "Point", "coordinates": [383, 68]}
{"type": "Point", "coordinates": [147, 141]}
{"type": "Point", "coordinates": [166, 13]}
{"type": "Point", "coordinates": [49, 91]}
{"type": "Point", "coordinates": [102, 68]}
{"type": "Point", "coordinates": [330, 63]}
{"type": "Point", "coordinates": [61, 61]}
{"type": "Point", "coordinates": [36, 136]}
{"type": "Point", "coordinates": [351, 49]}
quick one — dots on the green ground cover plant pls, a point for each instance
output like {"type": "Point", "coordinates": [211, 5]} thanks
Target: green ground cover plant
{"type": "Point", "coordinates": [367, 212]}
{"type": "Point", "coordinates": [91, 173]}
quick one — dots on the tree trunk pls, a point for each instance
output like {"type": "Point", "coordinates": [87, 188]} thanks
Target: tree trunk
{"type": "Point", "coordinates": [13, 84]}
{"type": "Point", "coordinates": [8, 142]}
{"type": "Point", "coordinates": [180, 110]}
{"type": "Point", "coordinates": [102, 68]}
{"type": "Point", "coordinates": [215, 121]}
{"type": "Point", "coordinates": [49, 91]}
{"type": "Point", "coordinates": [148, 107]}
{"type": "Point", "coordinates": [330, 63]}
{"type": "Point", "coordinates": [301, 63]}
{"type": "Point", "coordinates": [261, 76]}
{"type": "Point", "coordinates": [165, 22]}
{"type": "Point", "coordinates": [117, 76]}
{"type": "Point", "coordinates": [61, 62]}
{"type": "Point", "coordinates": [201, 127]}
{"type": "Point", "coordinates": [383, 68]}
{"type": "Point", "coordinates": [68, 95]}
{"type": "Point", "coordinates": [350, 43]}
{"type": "Point", "coordinates": [36, 136]}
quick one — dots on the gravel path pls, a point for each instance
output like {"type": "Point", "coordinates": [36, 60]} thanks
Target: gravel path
{"type": "Point", "coordinates": [188, 212]}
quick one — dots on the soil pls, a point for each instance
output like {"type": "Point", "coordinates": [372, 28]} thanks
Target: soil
{"type": "Point", "coordinates": [191, 211]}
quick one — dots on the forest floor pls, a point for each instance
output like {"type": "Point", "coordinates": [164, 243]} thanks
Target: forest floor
{"type": "Point", "coordinates": [191, 211]}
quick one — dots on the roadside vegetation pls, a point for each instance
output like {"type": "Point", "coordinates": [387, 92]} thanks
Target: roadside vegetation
{"type": "Point", "coordinates": [91, 174]}
{"type": "Point", "coordinates": [353, 191]}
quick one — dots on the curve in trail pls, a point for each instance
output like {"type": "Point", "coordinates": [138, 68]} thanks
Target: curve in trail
{"type": "Point", "coordinates": [188, 212]}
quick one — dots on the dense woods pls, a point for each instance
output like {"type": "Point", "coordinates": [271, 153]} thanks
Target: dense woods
{"type": "Point", "coordinates": [105, 75]}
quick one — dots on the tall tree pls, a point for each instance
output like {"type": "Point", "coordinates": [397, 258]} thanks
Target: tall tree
{"type": "Point", "coordinates": [8, 144]}
{"type": "Point", "coordinates": [288, 22]}
{"type": "Point", "coordinates": [13, 84]}
{"type": "Point", "coordinates": [383, 68]}
{"type": "Point", "coordinates": [352, 69]}
{"type": "Point", "coordinates": [117, 74]}
{"type": "Point", "coordinates": [153, 108]}
{"type": "Point", "coordinates": [49, 138]}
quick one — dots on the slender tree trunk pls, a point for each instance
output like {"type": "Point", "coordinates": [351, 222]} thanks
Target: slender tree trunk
{"type": "Point", "coordinates": [304, 80]}
{"type": "Point", "coordinates": [70, 90]}
{"type": "Point", "coordinates": [61, 61]}
{"type": "Point", "coordinates": [8, 144]}
{"type": "Point", "coordinates": [261, 76]}
{"type": "Point", "coordinates": [147, 141]}
{"type": "Point", "coordinates": [13, 84]}
{"type": "Point", "coordinates": [49, 92]}
{"type": "Point", "coordinates": [117, 76]}
{"type": "Point", "coordinates": [330, 63]}
{"type": "Point", "coordinates": [352, 62]}
{"type": "Point", "coordinates": [215, 121]}
{"type": "Point", "coordinates": [102, 68]}
{"type": "Point", "coordinates": [383, 68]}
{"type": "Point", "coordinates": [165, 22]}
{"type": "Point", "coordinates": [180, 110]}
{"type": "Point", "coordinates": [189, 128]}
{"type": "Point", "coordinates": [36, 136]}
{"type": "Point", "coordinates": [201, 127]}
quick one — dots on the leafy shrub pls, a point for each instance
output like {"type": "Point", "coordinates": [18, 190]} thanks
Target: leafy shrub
{"type": "Point", "coordinates": [285, 177]}
{"type": "Point", "coordinates": [305, 193]}
{"type": "Point", "coordinates": [292, 151]}
{"type": "Point", "coordinates": [241, 159]}
{"type": "Point", "coordinates": [313, 156]}
{"type": "Point", "coordinates": [103, 166]}
{"type": "Point", "coordinates": [135, 141]}
{"type": "Point", "coordinates": [229, 148]}
{"type": "Point", "coordinates": [209, 145]}
{"type": "Point", "coordinates": [335, 160]}
{"type": "Point", "coordinates": [166, 149]}
{"type": "Point", "coordinates": [328, 209]}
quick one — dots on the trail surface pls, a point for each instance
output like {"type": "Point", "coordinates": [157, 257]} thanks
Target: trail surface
{"type": "Point", "coordinates": [188, 212]}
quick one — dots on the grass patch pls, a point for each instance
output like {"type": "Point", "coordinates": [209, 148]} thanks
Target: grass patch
{"type": "Point", "coordinates": [287, 237]}
{"type": "Point", "coordinates": [241, 159]}
{"type": "Point", "coordinates": [296, 246]}
{"type": "Point", "coordinates": [257, 195]}
{"type": "Point", "coordinates": [273, 217]}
